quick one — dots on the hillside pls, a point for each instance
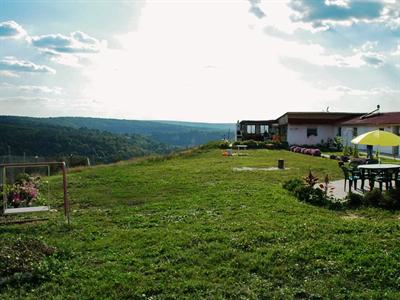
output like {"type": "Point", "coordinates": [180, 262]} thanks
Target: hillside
{"type": "Point", "coordinates": [190, 227]}
{"type": "Point", "coordinates": [25, 135]}
{"type": "Point", "coordinates": [180, 134]}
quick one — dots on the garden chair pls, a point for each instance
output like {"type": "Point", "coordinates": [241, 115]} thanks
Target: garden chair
{"type": "Point", "coordinates": [383, 177]}
{"type": "Point", "coordinates": [396, 178]}
{"type": "Point", "coordinates": [353, 168]}
{"type": "Point", "coordinates": [364, 175]}
{"type": "Point", "coordinates": [350, 177]}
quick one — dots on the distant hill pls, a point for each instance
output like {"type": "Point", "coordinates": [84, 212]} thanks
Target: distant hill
{"type": "Point", "coordinates": [37, 137]}
{"type": "Point", "coordinates": [173, 133]}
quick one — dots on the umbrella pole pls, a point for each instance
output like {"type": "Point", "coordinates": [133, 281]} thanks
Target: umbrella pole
{"type": "Point", "coordinates": [379, 154]}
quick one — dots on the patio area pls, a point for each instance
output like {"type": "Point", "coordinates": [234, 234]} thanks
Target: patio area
{"type": "Point", "coordinates": [339, 192]}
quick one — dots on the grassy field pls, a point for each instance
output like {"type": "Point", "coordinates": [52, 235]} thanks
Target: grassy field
{"type": "Point", "coordinates": [192, 227]}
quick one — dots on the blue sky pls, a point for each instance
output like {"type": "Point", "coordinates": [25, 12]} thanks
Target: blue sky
{"type": "Point", "coordinates": [215, 61]}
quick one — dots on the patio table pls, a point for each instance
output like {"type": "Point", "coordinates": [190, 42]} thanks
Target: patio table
{"type": "Point", "coordinates": [243, 147]}
{"type": "Point", "coordinates": [378, 168]}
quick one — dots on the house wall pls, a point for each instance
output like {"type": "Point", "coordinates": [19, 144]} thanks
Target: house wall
{"type": "Point", "coordinates": [347, 136]}
{"type": "Point", "coordinates": [297, 134]}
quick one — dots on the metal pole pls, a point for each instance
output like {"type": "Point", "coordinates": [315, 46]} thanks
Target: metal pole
{"type": "Point", "coordinates": [66, 200]}
{"type": "Point", "coordinates": [4, 190]}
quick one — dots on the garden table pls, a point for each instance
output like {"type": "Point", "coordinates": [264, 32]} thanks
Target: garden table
{"type": "Point", "coordinates": [243, 147]}
{"type": "Point", "coordinates": [379, 169]}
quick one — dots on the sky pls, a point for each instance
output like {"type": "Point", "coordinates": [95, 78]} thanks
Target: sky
{"type": "Point", "coordinates": [198, 60]}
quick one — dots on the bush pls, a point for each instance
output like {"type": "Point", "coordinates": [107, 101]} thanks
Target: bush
{"type": "Point", "coordinates": [358, 161]}
{"type": "Point", "coordinates": [354, 200]}
{"type": "Point", "coordinates": [336, 205]}
{"type": "Point", "coordinates": [373, 198]}
{"type": "Point", "coordinates": [251, 144]}
{"type": "Point", "coordinates": [315, 152]}
{"type": "Point", "coordinates": [270, 146]}
{"type": "Point", "coordinates": [391, 199]}
{"type": "Point", "coordinates": [310, 195]}
{"type": "Point", "coordinates": [345, 158]}
{"type": "Point", "coordinates": [216, 145]}
{"type": "Point", "coordinates": [292, 184]}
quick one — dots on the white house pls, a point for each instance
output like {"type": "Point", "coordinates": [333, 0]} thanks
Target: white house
{"type": "Point", "coordinates": [311, 128]}
{"type": "Point", "coordinates": [359, 125]}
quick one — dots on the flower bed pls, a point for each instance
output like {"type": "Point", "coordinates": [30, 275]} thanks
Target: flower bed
{"type": "Point", "coordinates": [24, 192]}
{"type": "Point", "coordinates": [308, 151]}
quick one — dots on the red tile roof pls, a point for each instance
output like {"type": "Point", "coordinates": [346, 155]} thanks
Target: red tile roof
{"type": "Point", "coordinates": [376, 119]}
{"type": "Point", "coordinates": [319, 117]}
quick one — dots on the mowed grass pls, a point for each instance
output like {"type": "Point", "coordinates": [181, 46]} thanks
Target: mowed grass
{"type": "Point", "coordinates": [192, 227]}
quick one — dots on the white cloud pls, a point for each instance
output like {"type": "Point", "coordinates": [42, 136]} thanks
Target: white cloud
{"type": "Point", "coordinates": [31, 89]}
{"type": "Point", "coordinates": [396, 52]}
{"type": "Point", "coordinates": [163, 67]}
{"type": "Point", "coordinates": [382, 91]}
{"type": "Point", "coordinates": [12, 64]}
{"type": "Point", "coordinates": [368, 53]}
{"type": "Point", "coordinates": [353, 99]}
{"type": "Point", "coordinates": [77, 42]}
{"type": "Point", "coordinates": [73, 50]}
{"type": "Point", "coordinates": [11, 29]}
{"type": "Point", "coordinates": [8, 74]}
{"type": "Point", "coordinates": [342, 3]}
{"type": "Point", "coordinates": [331, 13]}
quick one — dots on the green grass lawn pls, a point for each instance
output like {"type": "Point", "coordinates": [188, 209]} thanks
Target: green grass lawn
{"type": "Point", "coordinates": [191, 227]}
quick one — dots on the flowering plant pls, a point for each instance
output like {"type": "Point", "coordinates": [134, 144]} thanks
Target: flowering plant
{"type": "Point", "coordinates": [23, 192]}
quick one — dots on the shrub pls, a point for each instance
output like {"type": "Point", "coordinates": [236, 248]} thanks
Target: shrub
{"type": "Point", "coordinates": [315, 152]}
{"type": "Point", "coordinates": [251, 144]}
{"type": "Point", "coordinates": [354, 200]}
{"type": "Point", "coordinates": [310, 195]}
{"type": "Point", "coordinates": [216, 145]}
{"type": "Point", "coordinates": [373, 198]}
{"type": "Point", "coordinates": [338, 143]}
{"type": "Point", "coordinates": [390, 199]}
{"type": "Point", "coordinates": [270, 146]}
{"type": "Point", "coordinates": [336, 204]}
{"type": "Point", "coordinates": [310, 179]}
{"type": "Point", "coordinates": [23, 192]}
{"type": "Point", "coordinates": [283, 145]}
{"type": "Point", "coordinates": [292, 184]}
{"type": "Point", "coordinates": [345, 158]}
{"type": "Point", "coordinates": [358, 161]}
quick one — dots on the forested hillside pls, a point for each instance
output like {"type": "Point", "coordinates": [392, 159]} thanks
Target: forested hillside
{"type": "Point", "coordinates": [25, 135]}
{"type": "Point", "coordinates": [173, 133]}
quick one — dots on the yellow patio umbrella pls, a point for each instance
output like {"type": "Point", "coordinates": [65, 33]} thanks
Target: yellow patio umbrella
{"type": "Point", "coordinates": [378, 138]}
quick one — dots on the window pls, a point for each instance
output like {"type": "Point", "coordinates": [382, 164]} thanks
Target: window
{"type": "Point", "coordinates": [263, 129]}
{"type": "Point", "coordinates": [312, 131]}
{"type": "Point", "coordinates": [251, 129]}
{"type": "Point", "coordinates": [355, 131]}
